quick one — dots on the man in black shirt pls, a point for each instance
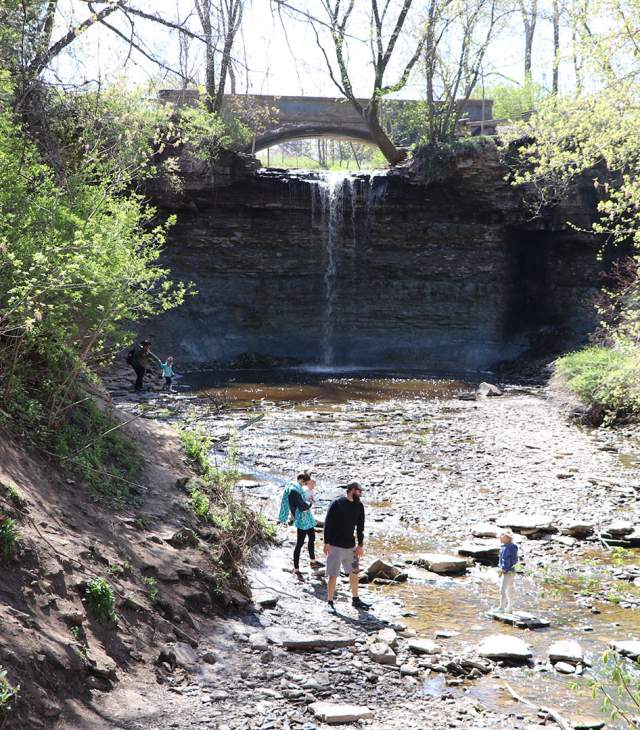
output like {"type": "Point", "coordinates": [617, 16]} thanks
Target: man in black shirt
{"type": "Point", "coordinates": [345, 515]}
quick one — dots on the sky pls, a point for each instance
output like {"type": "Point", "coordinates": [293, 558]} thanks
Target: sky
{"type": "Point", "coordinates": [279, 61]}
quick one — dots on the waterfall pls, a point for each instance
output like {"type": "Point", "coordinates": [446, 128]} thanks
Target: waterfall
{"type": "Point", "coordinates": [335, 198]}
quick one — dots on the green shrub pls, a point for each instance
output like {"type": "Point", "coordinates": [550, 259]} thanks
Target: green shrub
{"type": "Point", "coordinates": [8, 693]}
{"type": "Point", "coordinates": [14, 495]}
{"type": "Point", "coordinates": [197, 445]}
{"type": "Point", "coordinates": [8, 537]}
{"type": "Point", "coordinates": [199, 503]}
{"type": "Point", "coordinates": [100, 600]}
{"type": "Point", "coordinates": [605, 377]}
{"type": "Point", "coordinates": [152, 588]}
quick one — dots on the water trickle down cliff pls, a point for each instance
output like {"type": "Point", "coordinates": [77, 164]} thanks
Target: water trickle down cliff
{"type": "Point", "coordinates": [332, 269]}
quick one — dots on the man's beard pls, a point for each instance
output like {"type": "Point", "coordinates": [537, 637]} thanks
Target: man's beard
{"type": "Point", "coordinates": [356, 497]}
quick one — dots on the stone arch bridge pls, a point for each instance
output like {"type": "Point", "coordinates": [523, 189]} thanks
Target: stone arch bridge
{"type": "Point", "coordinates": [303, 117]}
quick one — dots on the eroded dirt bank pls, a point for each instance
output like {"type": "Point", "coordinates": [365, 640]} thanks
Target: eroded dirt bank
{"type": "Point", "coordinates": [436, 463]}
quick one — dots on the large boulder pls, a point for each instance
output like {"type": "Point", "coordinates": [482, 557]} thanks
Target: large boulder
{"type": "Point", "coordinates": [619, 528]}
{"type": "Point", "coordinates": [502, 647]}
{"type": "Point", "coordinates": [488, 390]}
{"type": "Point", "coordinates": [338, 714]}
{"type": "Point", "coordinates": [566, 650]}
{"type": "Point", "coordinates": [379, 569]}
{"type": "Point", "coordinates": [440, 563]}
{"type": "Point", "coordinates": [530, 525]}
{"type": "Point", "coordinates": [485, 552]}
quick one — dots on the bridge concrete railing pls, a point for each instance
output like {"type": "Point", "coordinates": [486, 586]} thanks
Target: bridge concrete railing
{"type": "Point", "coordinates": [299, 117]}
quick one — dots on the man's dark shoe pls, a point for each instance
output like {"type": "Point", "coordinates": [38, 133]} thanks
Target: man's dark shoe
{"type": "Point", "coordinates": [330, 607]}
{"type": "Point", "coordinates": [357, 603]}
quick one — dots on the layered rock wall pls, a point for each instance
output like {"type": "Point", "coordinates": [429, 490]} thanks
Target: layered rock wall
{"type": "Point", "coordinates": [440, 272]}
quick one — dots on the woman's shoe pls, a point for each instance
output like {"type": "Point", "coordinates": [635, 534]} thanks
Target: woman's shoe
{"type": "Point", "coordinates": [316, 564]}
{"type": "Point", "coordinates": [298, 575]}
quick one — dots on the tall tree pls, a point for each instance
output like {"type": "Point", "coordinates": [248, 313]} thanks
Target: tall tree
{"type": "Point", "coordinates": [555, 74]}
{"type": "Point", "coordinates": [386, 28]}
{"type": "Point", "coordinates": [529, 14]}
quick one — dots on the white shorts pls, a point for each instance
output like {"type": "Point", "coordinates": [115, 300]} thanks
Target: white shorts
{"type": "Point", "coordinates": [345, 557]}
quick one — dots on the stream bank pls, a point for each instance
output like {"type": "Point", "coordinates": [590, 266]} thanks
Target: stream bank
{"type": "Point", "coordinates": [436, 461]}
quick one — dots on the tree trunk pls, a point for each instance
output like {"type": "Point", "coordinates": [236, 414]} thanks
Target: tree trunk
{"type": "Point", "coordinates": [392, 154]}
{"type": "Point", "coordinates": [556, 48]}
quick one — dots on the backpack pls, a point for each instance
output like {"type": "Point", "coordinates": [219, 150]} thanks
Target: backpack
{"type": "Point", "coordinates": [283, 514]}
{"type": "Point", "coordinates": [130, 355]}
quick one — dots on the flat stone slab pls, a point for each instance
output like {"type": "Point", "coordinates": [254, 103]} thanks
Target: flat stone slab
{"type": "Point", "coordinates": [441, 563]}
{"type": "Point", "coordinates": [486, 530]}
{"type": "Point", "coordinates": [525, 524]}
{"type": "Point", "coordinates": [577, 528]}
{"type": "Point", "coordinates": [300, 641]}
{"type": "Point", "coordinates": [502, 647]}
{"type": "Point", "coordinates": [485, 552]}
{"type": "Point", "coordinates": [424, 646]}
{"type": "Point", "coordinates": [629, 648]}
{"type": "Point", "coordinates": [265, 599]}
{"type": "Point", "coordinates": [520, 619]}
{"type": "Point", "coordinates": [568, 651]}
{"type": "Point", "coordinates": [337, 714]}
{"type": "Point", "coordinates": [588, 723]}
{"type": "Point", "coordinates": [380, 569]}
{"type": "Point", "coordinates": [382, 654]}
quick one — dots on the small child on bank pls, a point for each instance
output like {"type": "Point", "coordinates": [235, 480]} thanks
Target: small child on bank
{"type": "Point", "coordinates": [168, 373]}
{"type": "Point", "coordinates": [507, 564]}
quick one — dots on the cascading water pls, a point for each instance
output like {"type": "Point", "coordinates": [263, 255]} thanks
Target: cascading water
{"type": "Point", "coordinates": [336, 195]}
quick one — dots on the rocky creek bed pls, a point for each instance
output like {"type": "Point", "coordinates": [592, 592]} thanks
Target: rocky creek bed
{"type": "Point", "coordinates": [443, 469]}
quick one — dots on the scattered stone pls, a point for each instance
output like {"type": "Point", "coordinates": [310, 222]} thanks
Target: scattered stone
{"type": "Point", "coordinates": [520, 619]}
{"type": "Point", "coordinates": [619, 528]}
{"type": "Point", "coordinates": [266, 657]}
{"type": "Point", "coordinates": [424, 646]}
{"type": "Point", "coordinates": [258, 641]}
{"type": "Point", "coordinates": [388, 636]}
{"type": "Point", "coordinates": [440, 563]}
{"type": "Point", "coordinates": [382, 653]}
{"type": "Point", "coordinates": [265, 599]}
{"type": "Point", "coordinates": [379, 569]}
{"type": "Point", "coordinates": [502, 647]}
{"type": "Point", "coordinates": [178, 655]}
{"type": "Point", "coordinates": [486, 553]}
{"type": "Point", "coordinates": [488, 390]}
{"type": "Point", "coordinates": [335, 714]}
{"type": "Point", "coordinates": [184, 537]}
{"type": "Point", "coordinates": [629, 648]}
{"type": "Point", "coordinates": [588, 723]}
{"type": "Point", "coordinates": [409, 670]}
{"type": "Point", "coordinates": [297, 641]}
{"type": "Point", "coordinates": [567, 651]}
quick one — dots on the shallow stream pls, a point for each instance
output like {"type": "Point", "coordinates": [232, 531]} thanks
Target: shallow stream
{"type": "Point", "coordinates": [435, 461]}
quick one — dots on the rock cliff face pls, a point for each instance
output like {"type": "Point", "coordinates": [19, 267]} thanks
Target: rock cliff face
{"type": "Point", "coordinates": [440, 270]}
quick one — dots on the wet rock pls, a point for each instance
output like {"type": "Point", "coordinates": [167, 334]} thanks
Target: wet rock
{"type": "Point", "coordinates": [565, 668]}
{"type": "Point", "coordinates": [588, 723]}
{"type": "Point", "coordinates": [440, 563]}
{"type": "Point", "coordinates": [501, 647]}
{"type": "Point", "coordinates": [386, 571]}
{"type": "Point", "coordinates": [424, 646]}
{"type": "Point", "coordinates": [520, 619]}
{"type": "Point", "coordinates": [488, 390]}
{"type": "Point", "coordinates": [338, 714]}
{"type": "Point", "coordinates": [534, 525]}
{"type": "Point", "coordinates": [629, 648]}
{"type": "Point", "coordinates": [567, 651]}
{"type": "Point", "coordinates": [485, 553]}
{"type": "Point", "coordinates": [382, 654]}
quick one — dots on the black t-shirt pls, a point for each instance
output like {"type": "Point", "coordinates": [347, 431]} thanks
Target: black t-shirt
{"type": "Point", "coordinates": [343, 518]}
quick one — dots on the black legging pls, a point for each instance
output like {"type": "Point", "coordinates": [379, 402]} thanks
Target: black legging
{"type": "Point", "coordinates": [140, 372]}
{"type": "Point", "coordinates": [302, 534]}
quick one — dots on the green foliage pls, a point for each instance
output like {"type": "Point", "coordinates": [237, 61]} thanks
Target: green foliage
{"type": "Point", "coordinates": [14, 495]}
{"type": "Point", "coordinates": [9, 536]}
{"type": "Point", "coordinates": [82, 649]}
{"type": "Point", "coordinates": [197, 445]}
{"type": "Point", "coordinates": [513, 101]}
{"type": "Point", "coordinates": [617, 684]}
{"type": "Point", "coordinates": [608, 377]}
{"type": "Point", "coordinates": [8, 693]}
{"type": "Point", "coordinates": [268, 529]}
{"type": "Point", "coordinates": [108, 462]}
{"type": "Point", "coordinates": [100, 600]}
{"type": "Point", "coordinates": [152, 588]}
{"type": "Point", "coordinates": [199, 503]}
